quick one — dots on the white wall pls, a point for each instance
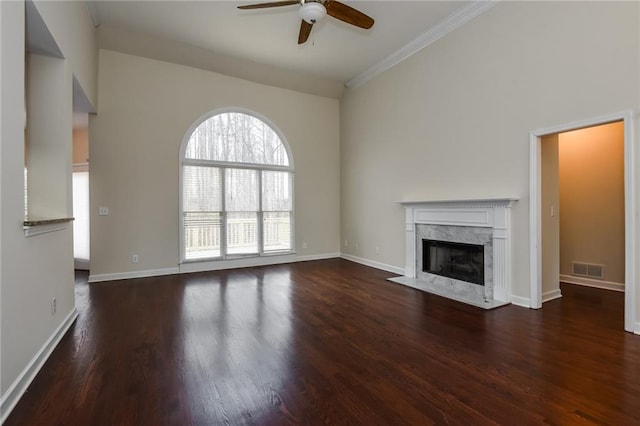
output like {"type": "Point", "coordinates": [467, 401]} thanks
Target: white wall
{"type": "Point", "coordinates": [36, 269]}
{"type": "Point", "coordinates": [454, 119]}
{"type": "Point", "coordinates": [145, 108]}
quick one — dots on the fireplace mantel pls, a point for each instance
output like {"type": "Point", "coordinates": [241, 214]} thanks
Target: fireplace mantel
{"type": "Point", "coordinates": [493, 213]}
{"type": "Point", "coordinates": [464, 202]}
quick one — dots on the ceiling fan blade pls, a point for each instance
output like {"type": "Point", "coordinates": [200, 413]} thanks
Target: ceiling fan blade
{"type": "Point", "coordinates": [348, 14]}
{"type": "Point", "coordinates": [270, 4]}
{"type": "Point", "coordinates": [305, 30]}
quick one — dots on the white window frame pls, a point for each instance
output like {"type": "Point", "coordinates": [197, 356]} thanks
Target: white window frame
{"type": "Point", "coordinates": [225, 259]}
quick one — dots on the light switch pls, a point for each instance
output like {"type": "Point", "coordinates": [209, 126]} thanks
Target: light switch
{"type": "Point", "coordinates": [103, 211]}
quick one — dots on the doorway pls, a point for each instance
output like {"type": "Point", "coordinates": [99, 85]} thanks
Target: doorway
{"type": "Point", "coordinates": [543, 211]}
{"type": "Point", "coordinates": [80, 188]}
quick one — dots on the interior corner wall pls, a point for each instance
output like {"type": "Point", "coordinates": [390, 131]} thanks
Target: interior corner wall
{"type": "Point", "coordinates": [146, 107]}
{"type": "Point", "coordinates": [592, 199]}
{"type": "Point", "coordinates": [36, 269]}
{"type": "Point", "coordinates": [550, 201]}
{"type": "Point", "coordinates": [33, 270]}
{"type": "Point", "coordinates": [454, 120]}
{"type": "Point", "coordinates": [70, 25]}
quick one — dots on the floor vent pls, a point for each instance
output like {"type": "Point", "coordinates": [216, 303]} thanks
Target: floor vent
{"type": "Point", "coordinates": [590, 270]}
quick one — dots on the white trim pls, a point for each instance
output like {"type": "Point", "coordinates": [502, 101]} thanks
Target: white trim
{"type": "Point", "coordinates": [317, 257]}
{"type": "Point", "coordinates": [80, 167]}
{"type": "Point", "coordinates": [22, 382]}
{"type": "Point", "coordinates": [605, 285]}
{"type": "Point", "coordinates": [244, 262]}
{"type": "Point", "coordinates": [492, 213]}
{"type": "Point", "coordinates": [133, 274]}
{"type": "Point", "coordinates": [82, 264]}
{"type": "Point", "coordinates": [521, 301]}
{"type": "Point", "coordinates": [258, 167]}
{"type": "Point", "coordinates": [636, 329]}
{"type": "Point", "coordinates": [33, 230]}
{"type": "Point", "coordinates": [373, 264]}
{"type": "Point", "coordinates": [551, 295]}
{"type": "Point", "coordinates": [450, 23]}
{"type": "Point", "coordinates": [535, 237]}
{"type": "Point", "coordinates": [212, 265]}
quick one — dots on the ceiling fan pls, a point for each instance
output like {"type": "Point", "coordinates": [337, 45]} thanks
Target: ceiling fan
{"type": "Point", "coordinates": [311, 11]}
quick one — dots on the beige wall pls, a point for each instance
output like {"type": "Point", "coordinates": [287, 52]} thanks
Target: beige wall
{"type": "Point", "coordinates": [453, 121]}
{"type": "Point", "coordinates": [550, 214]}
{"type": "Point", "coordinates": [146, 107]}
{"type": "Point", "coordinates": [592, 199]}
{"type": "Point", "coordinates": [36, 269]}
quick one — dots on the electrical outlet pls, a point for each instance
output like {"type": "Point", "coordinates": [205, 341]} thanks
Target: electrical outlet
{"type": "Point", "coordinates": [54, 306]}
{"type": "Point", "coordinates": [103, 211]}
{"type": "Point", "coordinates": [304, 245]}
{"type": "Point", "coordinates": [357, 246]}
{"type": "Point", "coordinates": [346, 243]}
{"type": "Point", "coordinates": [377, 250]}
{"type": "Point", "coordinates": [134, 258]}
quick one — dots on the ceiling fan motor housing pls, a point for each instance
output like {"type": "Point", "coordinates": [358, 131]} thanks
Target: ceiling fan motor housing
{"type": "Point", "coordinates": [312, 12]}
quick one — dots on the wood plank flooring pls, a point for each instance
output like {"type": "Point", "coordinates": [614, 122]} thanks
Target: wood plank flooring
{"type": "Point", "coordinates": [331, 342]}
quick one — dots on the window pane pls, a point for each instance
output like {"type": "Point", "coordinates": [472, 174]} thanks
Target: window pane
{"type": "Point", "coordinates": [236, 137]}
{"type": "Point", "coordinates": [80, 186]}
{"type": "Point", "coordinates": [202, 202]}
{"type": "Point", "coordinates": [201, 190]}
{"type": "Point", "coordinates": [242, 233]}
{"type": "Point", "coordinates": [241, 193]}
{"type": "Point", "coordinates": [277, 231]}
{"type": "Point", "coordinates": [276, 191]}
{"type": "Point", "coordinates": [201, 235]}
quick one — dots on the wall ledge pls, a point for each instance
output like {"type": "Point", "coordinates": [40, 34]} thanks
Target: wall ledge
{"type": "Point", "coordinates": [36, 227]}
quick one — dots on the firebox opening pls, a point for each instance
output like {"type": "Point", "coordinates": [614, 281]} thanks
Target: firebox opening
{"type": "Point", "coordinates": [460, 261]}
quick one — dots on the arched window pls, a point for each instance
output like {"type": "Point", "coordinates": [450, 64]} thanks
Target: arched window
{"type": "Point", "coordinates": [237, 189]}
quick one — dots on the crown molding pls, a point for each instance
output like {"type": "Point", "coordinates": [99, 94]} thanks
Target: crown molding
{"type": "Point", "coordinates": [450, 23]}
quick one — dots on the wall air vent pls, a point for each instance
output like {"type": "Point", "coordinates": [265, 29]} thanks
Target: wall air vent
{"type": "Point", "coordinates": [590, 270]}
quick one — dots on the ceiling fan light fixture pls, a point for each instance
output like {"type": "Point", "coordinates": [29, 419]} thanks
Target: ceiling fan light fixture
{"type": "Point", "coordinates": [312, 12]}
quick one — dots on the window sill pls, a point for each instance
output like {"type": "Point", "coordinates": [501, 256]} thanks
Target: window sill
{"type": "Point", "coordinates": [44, 226]}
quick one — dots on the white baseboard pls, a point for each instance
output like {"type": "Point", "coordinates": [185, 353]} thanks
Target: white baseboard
{"type": "Point", "coordinates": [636, 329]}
{"type": "Point", "coordinates": [317, 257]}
{"type": "Point", "coordinates": [81, 264]}
{"type": "Point", "coordinates": [93, 278]}
{"type": "Point", "coordinates": [22, 382]}
{"type": "Point", "coordinates": [245, 262]}
{"type": "Point", "coordinates": [606, 285]}
{"type": "Point", "coordinates": [551, 295]}
{"type": "Point", "coordinates": [212, 265]}
{"type": "Point", "coordinates": [524, 302]}
{"type": "Point", "coordinates": [373, 264]}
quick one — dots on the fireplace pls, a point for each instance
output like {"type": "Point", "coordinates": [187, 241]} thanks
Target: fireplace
{"type": "Point", "coordinates": [461, 261]}
{"type": "Point", "coordinates": [460, 249]}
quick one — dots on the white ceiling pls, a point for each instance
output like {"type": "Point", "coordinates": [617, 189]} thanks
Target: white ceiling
{"type": "Point", "coordinates": [335, 50]}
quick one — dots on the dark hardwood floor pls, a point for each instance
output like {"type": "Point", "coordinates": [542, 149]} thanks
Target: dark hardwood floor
{"type": "Point", "coordinates": [331, 342]}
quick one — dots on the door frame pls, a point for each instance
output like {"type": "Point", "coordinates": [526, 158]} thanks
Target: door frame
{"type": "Point", "coordinates": [535, 212]}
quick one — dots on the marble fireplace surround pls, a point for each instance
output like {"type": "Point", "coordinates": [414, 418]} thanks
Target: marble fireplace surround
{"type": "Point", "coordinates": [477, 221]}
